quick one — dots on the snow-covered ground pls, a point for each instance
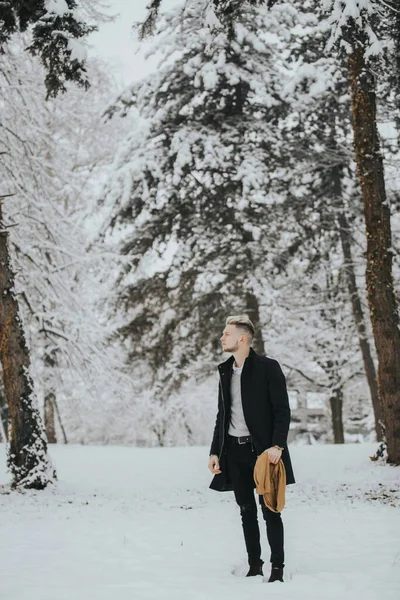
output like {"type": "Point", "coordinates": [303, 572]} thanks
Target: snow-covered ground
{"type": "Point", "coordinates": [129, 523]}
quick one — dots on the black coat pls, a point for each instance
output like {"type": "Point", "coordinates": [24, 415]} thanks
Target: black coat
{"type": "Point", "coordinates": [265, 407]}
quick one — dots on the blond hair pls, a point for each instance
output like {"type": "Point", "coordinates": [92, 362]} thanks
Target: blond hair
{"type": "Point", "coordinates": [242, 322]}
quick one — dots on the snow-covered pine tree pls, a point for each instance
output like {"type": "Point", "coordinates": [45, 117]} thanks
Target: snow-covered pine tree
{"type": "Point", "coordinates": [320, 182]}
{"type": "Point", "coordinates": [395, 73]}
{"type": "Point", "coordinates": [361, 31]}
{"type": "Point", "coordinates": [317, 179]}
{"type": "Point", "coordinates": [62, 148]}
{"type": "Point", "coordinates": [57, 33]}
{"type": "Point", "coordinates": [317, 172]}
{"type": "Point", "coordinates": [190, 200]}
{"type": "Point", "coordinates": [223, 10]}
{"type": "Point", "coordinates": [55, 37]}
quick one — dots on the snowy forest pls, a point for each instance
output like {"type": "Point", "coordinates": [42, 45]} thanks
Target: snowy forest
{"type": "Point", "coordinates": [254, 169]}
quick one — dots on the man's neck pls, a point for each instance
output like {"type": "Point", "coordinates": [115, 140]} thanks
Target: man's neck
{"type": "Point", "coordinates": [240, 356]}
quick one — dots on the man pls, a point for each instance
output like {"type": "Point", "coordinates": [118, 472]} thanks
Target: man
{"type": "Point", "coordinates": [253, 417]}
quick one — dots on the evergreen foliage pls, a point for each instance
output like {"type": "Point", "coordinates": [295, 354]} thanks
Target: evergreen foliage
{"type": "Point", "coordinates": [56, 31]}
{"type": "Point", "coordinates": [195, 187]}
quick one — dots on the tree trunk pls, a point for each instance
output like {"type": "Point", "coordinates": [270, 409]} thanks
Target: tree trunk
{"type": "Point", "coordinates": [49, 422]}
{"type": "Point", "coordinates": [50, 402]}
{"type": "Point", "coordinates": [332, 367]}
{"type": "Point", "coordinates": [253, 313]}
{"type": "Point", "coordinates": [336, 402]}
{"type": "Point", "coordinates": [27, 451]}
{"type": "Point", "coordinates": [3, 419]}
{"type": "Point", "coordinates": [379, 278]}
{"type": "Point", "coordinates": [358, 315]}
{"type": "Point", "coordinates": [60, 422]}
{"type": "Point", "coordinates": [396, 38]}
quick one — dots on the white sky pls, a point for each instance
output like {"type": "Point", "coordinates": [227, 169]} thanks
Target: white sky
{"type": "Point", "coordinates": [117, 43]}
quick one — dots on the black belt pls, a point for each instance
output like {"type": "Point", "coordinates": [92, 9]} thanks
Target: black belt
{"type": "Point", "coordinates": [244, 439]}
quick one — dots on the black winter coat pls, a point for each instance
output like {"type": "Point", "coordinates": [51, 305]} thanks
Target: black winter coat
{"type": "Point", "coordinates": [265, 407]}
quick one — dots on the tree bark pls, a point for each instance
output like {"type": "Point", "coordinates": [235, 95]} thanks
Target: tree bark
{"type": "Point", "coordinates": [253, 312]}
{"type": "Point", "coordinates": [49, 422]}
{"type": "Point", "coordinates": [379, 278]}
{"type": "Point", "coordinates": [396, 77]}
{"type": "Point", "coordinates": [3, 419]}
{"type": "Point", "coordinates": [358, 315]}
{"type": "Point", "coordinates": [50, 401]}
{"type": "Point", "coordinates": [60, 421]}
{"type": "Point", "coordinates": [332, 366]}
{"type": "Point", "coordinates": [336, 402]}
{"type": "Point", "coordinates": [27, 450]}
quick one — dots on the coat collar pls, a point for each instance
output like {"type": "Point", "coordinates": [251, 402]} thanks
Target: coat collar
{"type": "Point", "coordinates": [227, 364]}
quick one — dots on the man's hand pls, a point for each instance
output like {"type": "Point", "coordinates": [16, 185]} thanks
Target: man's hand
{"type": "Point", "coordinates": [274, 454]}
{"type": "Point", "coordinates": [213, 464]}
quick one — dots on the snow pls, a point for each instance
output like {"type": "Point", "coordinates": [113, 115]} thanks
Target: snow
{"type": "Point", "coordinates": [78, 50]}
{"type": "Point", "coordinates": [141, 523]}
{"type": "Point", "coordinates": [57, 7]}
{"type": "Point", "coordinates": [359, 13]}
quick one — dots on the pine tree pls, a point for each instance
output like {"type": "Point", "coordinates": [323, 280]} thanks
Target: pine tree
{"type": "Point", "coordinates": [317, 163]}
{"type": "Point", "coordinates": [63, 149]}
{"type": "Point", "coordinates": [320, 168]}
{"type": "Point", "coordinates": [55, 33]}
{"type": "Point", "coordinates": [336, 123]}
{"type": "Point", "coordinates": [190, 198]}
{"type": "Point", "coordinates": [360, 31]}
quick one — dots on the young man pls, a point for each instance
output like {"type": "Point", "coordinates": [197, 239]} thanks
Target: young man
{"type": "Point", "coordinates": [253, 417]}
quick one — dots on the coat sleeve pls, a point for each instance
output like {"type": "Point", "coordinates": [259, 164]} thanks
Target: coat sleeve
{"type": "Point", "coordinates": [280, 404]}
{"type": "Point", "coordinates": [215, 441]}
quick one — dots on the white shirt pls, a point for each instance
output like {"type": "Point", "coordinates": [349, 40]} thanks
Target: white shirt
{"type": "Point", "coordinates": [237, 425]}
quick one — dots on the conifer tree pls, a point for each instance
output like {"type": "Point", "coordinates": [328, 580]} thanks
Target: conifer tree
{"type": "Point", "coordinates": [55, 32]}
{"type": "Point", "coordinates": [363, 32]}
{"type": "Point", "coordinates": [190, 203]}
{"type": "Point", "coordinates": [332, 144]}
{"type": "Point", "coordinates": [319, 163]}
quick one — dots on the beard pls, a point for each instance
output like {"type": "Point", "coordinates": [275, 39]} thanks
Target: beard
{"type": "Point", "coordinates": [232, 348]}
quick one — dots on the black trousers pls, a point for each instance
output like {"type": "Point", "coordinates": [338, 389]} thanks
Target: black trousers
{"type": "Point", "coordinates": [241, 459]}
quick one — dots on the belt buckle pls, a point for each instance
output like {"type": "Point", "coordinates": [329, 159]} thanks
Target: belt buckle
{"type": "Point", "coordinates": [241, 443]}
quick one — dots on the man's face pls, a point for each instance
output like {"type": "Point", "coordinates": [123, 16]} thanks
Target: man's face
{"type": "Point", "coordinates": [230, 338]}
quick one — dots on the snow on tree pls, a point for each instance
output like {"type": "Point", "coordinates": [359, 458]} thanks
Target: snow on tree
{"type": "Point", "coordinates": [171, 208]}
{"type": "Point", "coordinates": [54, 26]}
{"type": "Point", "coordinates": [361, 29]}
{"type": "Point", "coordinates": [190, 199]}
{"type": "Point", "coordinates": [43, 217]}
{"type": "Point", "coordinates": [344, 20]}
{"type": "Point", "coordinates": [58, 32]}
{"type": "Point", "coordinates": [63, 157]}
{"type": "Point", "coordinates": [319, 181]}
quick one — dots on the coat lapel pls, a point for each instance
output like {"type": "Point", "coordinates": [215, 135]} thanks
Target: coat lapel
{"type": "Point", "coordinates": [225, 372]}
{"type": "Point", "coordinates": [246, 379]}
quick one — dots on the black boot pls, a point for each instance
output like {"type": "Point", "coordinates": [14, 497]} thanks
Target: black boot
{"type": "Point", "coordinates": [256, 569]}
{"type": "Point", "coordinates": [276, 574]}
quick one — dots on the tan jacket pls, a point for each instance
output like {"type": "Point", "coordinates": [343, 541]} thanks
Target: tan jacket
{"type": "Point", "coordinates": [270, 482]}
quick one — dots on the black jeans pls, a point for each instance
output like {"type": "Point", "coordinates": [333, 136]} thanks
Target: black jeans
{"type": "Point", "coordinates": [241, 459]}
